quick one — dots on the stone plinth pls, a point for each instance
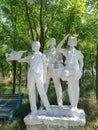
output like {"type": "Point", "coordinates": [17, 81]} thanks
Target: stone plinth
{"type": "Point", "coordinates": [60, 118]}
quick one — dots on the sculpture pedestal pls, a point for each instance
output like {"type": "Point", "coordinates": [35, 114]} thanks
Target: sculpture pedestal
{"type": "Point", "coordinates": [60, 118]}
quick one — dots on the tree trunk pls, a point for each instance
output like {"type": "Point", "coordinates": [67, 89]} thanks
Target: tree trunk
{"type": "Point", "coordinates": [20, 76]}
{"type": "Point", "coordinates": [14, 76]}
{"type": "Point", "coordinates": [14, 40]}
{"type": "Point", "coordinates": [29, 21]}
{"type": "Point", "coordinates": [97, 74]}
{"type": "Point", "coordinates": [41, 26]}
{"type": "Point", "coordinates": [91, 60]}
{"type": "Point", "coordinates": [26, 66]}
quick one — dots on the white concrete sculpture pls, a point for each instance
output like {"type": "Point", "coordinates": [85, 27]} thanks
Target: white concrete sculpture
{"type": "Point", "coordinates": [72, 70]}
{"type": "Point", "coordinates": [54, 61]}
{"type": "Point", "coordinates": [36, 75]}
{"type": "Point", "coordinates": [14, 55]}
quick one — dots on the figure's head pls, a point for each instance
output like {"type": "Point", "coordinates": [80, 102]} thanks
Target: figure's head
{"type": "Point", "coordinates": [72, 41]}
{"type": "Point", "coordinates": [52, 42]}
{"type": "Point", "coordinates": [35, 46]}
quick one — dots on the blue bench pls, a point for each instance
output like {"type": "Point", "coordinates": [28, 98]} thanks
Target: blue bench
{"type": "Point", "coordinates": [9, 105]}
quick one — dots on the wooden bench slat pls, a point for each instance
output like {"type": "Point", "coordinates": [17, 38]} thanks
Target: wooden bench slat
{"type": "Point", "coordinates": [8, 99]}
{"type": "Point", "coordinates": [3, 114]}
{"type": "Point", "coordinates": [5, 109]}
{"type": "Point", "coordinates": [9, 104]}
{"type": "Point", "coordinates": [1, 108]}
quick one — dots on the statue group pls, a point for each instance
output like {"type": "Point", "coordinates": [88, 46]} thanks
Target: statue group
{"type": "Point", "coordinates": [49, 64]}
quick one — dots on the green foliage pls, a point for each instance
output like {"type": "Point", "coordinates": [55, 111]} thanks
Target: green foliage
{"type": "Point", "coordinates": [58, 18]}
{"type": "Point", "coordinates": [86, 102]}
{"type": "Point", "coordinates": [22, 22]}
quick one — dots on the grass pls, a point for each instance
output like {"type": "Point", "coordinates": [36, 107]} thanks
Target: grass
{"type": "Point", "coordinates": [87, 102]}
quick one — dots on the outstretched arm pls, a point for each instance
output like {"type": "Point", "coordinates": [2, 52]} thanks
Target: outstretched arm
{"type": "Point", "coordinates": [61, 43]}
{"type": "Point", "coordinates": [25, 59]}
{"type": "Point", "coordinates": [14, 55]}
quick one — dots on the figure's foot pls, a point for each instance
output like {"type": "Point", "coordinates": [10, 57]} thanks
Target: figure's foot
{"type": "Point", "coordinates": [60, 104]}
{"type": "Point", "coordinates": [34, 113]}
{"type": "Point", "coordinates": [75, 112]}
{"type": "Point", "coordinates": [41, 108]}
{"type": "Point", "coordinates": [74, 109]}
{"type": "Point", "coordinates": [48, 110]}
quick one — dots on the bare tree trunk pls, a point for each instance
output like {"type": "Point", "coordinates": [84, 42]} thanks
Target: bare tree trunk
{"type": "Point", "coordinates": [20, 76]}
{"type": "Point", "coordinates": [41, 26]}
{"type": "Point", "coordinates": [26, 66]}
{"type": "Point", "coordinates": [29, 21]}
{"type": "Point", "coordinates": [2, 70]}
{"type": "Point", "coordinates": [97, 74]}
{"type": "Point", "coordinates": [14, 76]}
{"type": "Point", "coordinates": [70, 21]}
{"type": "Point", "coordinates": [91, 60]}
{"type": "Point", "coordinates": [14, 41]}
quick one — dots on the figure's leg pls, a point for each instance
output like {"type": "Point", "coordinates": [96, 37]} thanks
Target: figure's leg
{"type": "Point", "coordinates": [73, 91]}
{"type": "Point", "coordinates": [32, 94]}
{"type": "Point", "coordinates": [42, 93]}
{"type": "Point", "coordinates": [46, 86]}
{"type": "Point", "coordinates": [58, 90]}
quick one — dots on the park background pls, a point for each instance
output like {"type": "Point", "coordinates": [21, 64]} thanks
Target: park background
{"type": "Point", "coordinates": [25, 21]}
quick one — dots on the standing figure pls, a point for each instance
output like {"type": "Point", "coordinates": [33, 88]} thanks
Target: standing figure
{"type": "Point", "coordinates": [72, 70]}
{"type": "Point", "coordinates": [36, 74]}
{"type": "Point", "coordinates": [54, 61]}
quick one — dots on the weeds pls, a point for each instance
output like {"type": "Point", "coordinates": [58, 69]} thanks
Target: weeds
{"type": "Point", "coordinates": [87, 102]}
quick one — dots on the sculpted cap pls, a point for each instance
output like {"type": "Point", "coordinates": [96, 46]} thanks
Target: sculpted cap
{"type": "Point", "coordinates": [72, 41]}
{"type": "Point", "coordinates": [52, 42]}
{"type": "Point", "coordinates": [35, 45]}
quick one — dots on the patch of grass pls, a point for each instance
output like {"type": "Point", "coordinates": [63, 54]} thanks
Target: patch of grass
{"type": "Point", "coordinates": [87, 102]}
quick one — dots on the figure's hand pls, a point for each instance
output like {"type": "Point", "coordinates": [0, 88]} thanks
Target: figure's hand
{"type": "Point", "coordinates": [61, 43]}
{"type": "Point", "coordinates": [67, 35]}
{"type": "Point", "coordinates": [19, 60]}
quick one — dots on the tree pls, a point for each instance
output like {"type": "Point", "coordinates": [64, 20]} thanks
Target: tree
{"type": "Point", "coordinates": [25, 21]}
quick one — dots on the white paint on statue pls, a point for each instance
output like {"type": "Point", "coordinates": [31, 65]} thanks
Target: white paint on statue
{"type": "Point", "coordinates": [59, 116]}
{"type": "Point", "coordinates": [37, 74]}
{"type": "Point", "coordinates": [52, 56]}
{"type": "Point", "coordinates": [14, 55]}
{"type": "Point", "coordinates": [72, 71]}
{"type": "Point", "coordinates": [49, 65]}
{"type": "Point", "coordinates": [54, 61]}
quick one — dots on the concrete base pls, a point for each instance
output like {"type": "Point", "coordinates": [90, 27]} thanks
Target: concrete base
{"type": "Point", "coordinates": [60, 118]}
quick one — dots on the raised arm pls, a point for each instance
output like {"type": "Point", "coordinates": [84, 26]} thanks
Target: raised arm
{"type": "Point", "coordinates": [61, 43]}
